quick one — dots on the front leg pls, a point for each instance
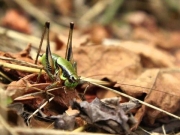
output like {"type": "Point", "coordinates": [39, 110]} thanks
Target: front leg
{"type": "Point", "coordinates": [51, 76]}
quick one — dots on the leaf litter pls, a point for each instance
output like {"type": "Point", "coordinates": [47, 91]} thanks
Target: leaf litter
{"type": "Point", "coordinates": [116, 64]}
{"type": "Point", "coordinates": [133, 79]}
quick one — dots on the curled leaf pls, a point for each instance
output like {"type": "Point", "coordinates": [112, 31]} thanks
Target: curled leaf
{"type": "Point", "coordinates": [112, 119]}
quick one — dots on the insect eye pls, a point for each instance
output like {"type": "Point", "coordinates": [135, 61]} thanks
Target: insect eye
{"type": "Point", "coordinates": [40, 55]}
{"type": "Point", "coordinates": [72, 78]}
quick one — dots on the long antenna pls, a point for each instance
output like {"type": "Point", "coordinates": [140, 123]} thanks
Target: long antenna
{"type": "Point", "coordinates": [40, 45]}
{"type": "Point", "coordinates": [68, 54]}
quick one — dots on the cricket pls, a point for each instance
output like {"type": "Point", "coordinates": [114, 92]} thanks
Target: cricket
{"type": "Point", "coordinates": [58, 67]}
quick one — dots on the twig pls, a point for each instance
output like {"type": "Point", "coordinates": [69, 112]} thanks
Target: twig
{"type": "Point", "coordinates": [144, 130]}
{"type": "Point", "coordinates": [21, 62]}
{"type": "Point", "coordinates": [38, 14]}
{"type": "Point", "coordinates": [41, 131]}
{"type": "Point", "coordinates": [111, 11]}
{"type": "Point", "coordinates": [5, 76]}
{"type": "Point", "coordinates": [132, 98]}
{"type": "Point", "coordinates": [18, 67]}
{"type": "Point", "coordinates": [24, 38]}
{"type": "Point", "coordinates": [163, 129]}
{"type": "Point", "coordinates": [80, 129]}
{"type": "Point", "coordinates": [95, 10]}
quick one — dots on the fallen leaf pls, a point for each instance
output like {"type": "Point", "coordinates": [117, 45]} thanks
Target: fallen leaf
{"type": "Point", "coordinates": [98, 61]}
{"type": "Point", "coordinates": [163, 39]}
{"type": "Point", "coordinates": [21, 56]}
{"type": "Point", "coordinates": [111, 118]}
{"type": "Point", "coordinates": [158, 59]}
{"type": "Point", "coordinates": [98, 33]}
{"type": "Point", "coordinates": [16, 20]}
{"type": "Point", "coordinates": [142, 19]}
{"type": "Point", "coordinates": [161, 89]}
{"type": "Point", "coordinates": [64, 6]}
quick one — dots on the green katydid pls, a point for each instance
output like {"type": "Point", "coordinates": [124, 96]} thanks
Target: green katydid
{"type": "Point", "coordinates": [58, 67]}
{"type": "Point", "coordinates": [64, 69]}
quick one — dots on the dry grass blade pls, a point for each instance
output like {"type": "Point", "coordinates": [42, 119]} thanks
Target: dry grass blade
{"type": "Point", "coordinates": [23, 37]}
{"type": "Point", "coordinates": [95, 10]}
{"type": "Point", "coordinates": [5, 76]}
{"type": "Point", "coordinates": [45, 103]}
{"type": "Point", "coordinates": [20, 68]}
{"type": "Point", "coordinates": [38, 14]}
{"type": "Point", "coordinates": [21, 62]}
{"type": "Point", "coordinates": [94, 80]}
{"type": "Point", "coordinates": [38, 131]}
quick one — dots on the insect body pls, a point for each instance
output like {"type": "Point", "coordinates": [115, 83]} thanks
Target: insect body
{"type": "Point", "coordinates": [63, 69]}
{"type": "Point", "coordinates": [59, 68]}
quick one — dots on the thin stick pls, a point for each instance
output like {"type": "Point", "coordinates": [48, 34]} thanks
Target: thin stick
{"type": "Point", "coordinates": [20, 68]}
{"type": "Point", "coordinates": [144, 130]}
{"type": "Point", "coordinates": [5, 76]}
{"type": "Point", "coordinates": [38, 14]}
{"type": "Point", "coordinates": [95, 10]}
{"type": "Point", "coordinates": [43, 131]}
{"type": "Point", "coordinates": [24, 63]}
{"type": "Point", "coordinates": [132, 98]}
{"type": "Point", "coordinates": [45, 103]}
{"type": "Point", "coordinates": [22, 37]}
{"type": "Point", "coordinates": [79, 129]}
{"type": "Point", "coordinates": [163, 129]}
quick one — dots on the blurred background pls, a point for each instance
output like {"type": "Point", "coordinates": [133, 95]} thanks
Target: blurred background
{"type": "Point", "coordinates": [107, 22]}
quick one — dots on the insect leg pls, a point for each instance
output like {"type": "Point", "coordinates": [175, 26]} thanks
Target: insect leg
{"type": "Point", "coordinates": [39, 74]}
{"type": "Point", "coordinates": [40, 45]}
{"type": "Point", "coordinates": [86, 89]}
{"type": "Point", "coordinates": [68, 55]}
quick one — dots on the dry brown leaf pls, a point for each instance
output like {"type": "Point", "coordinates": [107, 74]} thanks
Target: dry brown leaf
{"type": "Point", "coordinates": [103, 61]}
{"type": "Point", "coordinates": [17, 21]}
{"type": "Point", "coordinates": [98, 33]}
{"type": "Point", "coordinates": [26, 85]}
{"type": "Point", "coordinates": [153, 57]}
{"type": "Point", "coordinates": [63, 6]}
{"type": "Point", "coordinates": [136, 87]}
{"type": "Point", "coordinates": [142, 19]}
{"type": "Point", "coordinates": [163, 39]}
{"type": "Point", "coordinates": [21, 56]}
{"type": "Point", "coordinates": [161, 89]}
{"type": "Point", "coordinates": [24, 55]}
{"type": "Point", "coordinates": [99, 114]}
